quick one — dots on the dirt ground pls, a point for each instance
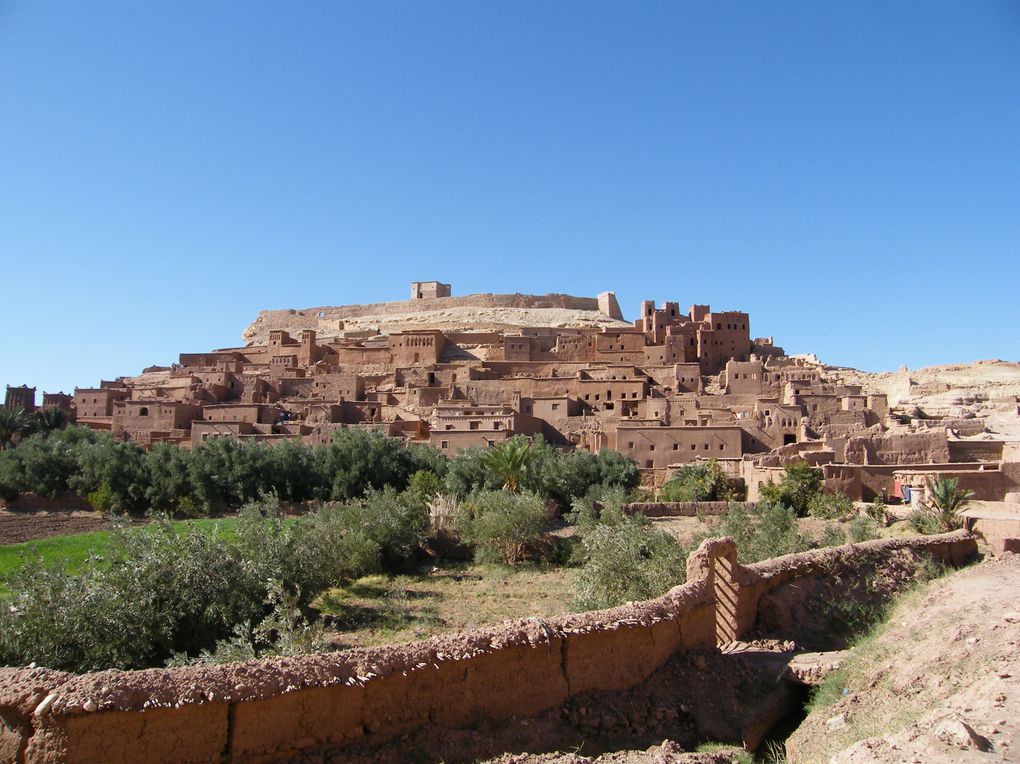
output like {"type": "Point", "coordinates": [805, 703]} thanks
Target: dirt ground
{"type": "Point", "coordinates": [16, 527]}
{"type": "Point", "coordinates": [940, 683]}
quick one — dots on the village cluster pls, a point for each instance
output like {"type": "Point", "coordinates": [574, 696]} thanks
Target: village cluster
{"type": "Point", "coordinates": [669, 388]}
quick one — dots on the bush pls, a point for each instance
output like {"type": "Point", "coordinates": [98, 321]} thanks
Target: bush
{"type": "Point", "coordinates": [830, 506]}
{"type": "Point", "coordinates": [553, 473]}
{"type": "Point", "coordinates": [504, 527]}
{"type": "Point", "coordinates": [862, 528]}
{"type": "Point", "coordinates": [761, 532]}
{"type": "Point", "coordinates": [155, 592]}
{"type": "Point", "coordinates": [800, 482]}
{"type": "Point", "coordinates": [161, 593]}
{"type": "Point", "coordinates": [701, 481]}
{"type": "Point", "coordinates": [924, 523]}
{"type": "Point", "coordinates": [626, 561]}
{"type": "Point", "coordinates": [876, 511]}
{"type": "Point", "coordinates": [600, 505]}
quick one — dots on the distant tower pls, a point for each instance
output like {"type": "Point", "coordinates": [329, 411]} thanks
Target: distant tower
{"type": "Point", "coordinates": [20, 398]}
{"type": "Point", "coordinates": [427, 290]}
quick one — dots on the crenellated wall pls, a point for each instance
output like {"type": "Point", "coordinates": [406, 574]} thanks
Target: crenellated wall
{"type": "Point", "coordinates": [284, 707]}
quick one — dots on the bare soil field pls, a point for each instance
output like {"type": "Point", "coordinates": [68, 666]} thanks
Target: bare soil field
{"type": "Point", "coordinates": [17, 527]}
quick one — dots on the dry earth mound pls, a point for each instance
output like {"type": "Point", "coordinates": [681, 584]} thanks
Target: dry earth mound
{"type": "Point", "coordinates": [940, 683]}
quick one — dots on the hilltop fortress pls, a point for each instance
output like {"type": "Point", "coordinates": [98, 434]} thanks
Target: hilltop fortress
{"type": "Point", "coordinates": [668, 388]}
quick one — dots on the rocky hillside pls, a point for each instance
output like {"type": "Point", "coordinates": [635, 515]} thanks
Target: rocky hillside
{"type": "Point", "coordinates": [987, 390]}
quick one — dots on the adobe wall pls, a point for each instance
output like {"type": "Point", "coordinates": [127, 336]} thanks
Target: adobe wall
{"type": "Point", "coordinates": [273, 709]}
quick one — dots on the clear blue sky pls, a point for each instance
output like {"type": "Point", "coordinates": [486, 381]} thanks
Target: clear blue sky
{"type": "Point", "coordinates": [847, 172]}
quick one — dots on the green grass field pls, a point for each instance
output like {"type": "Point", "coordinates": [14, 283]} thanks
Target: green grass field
{"type": "Point", "coordinates": [74, 550]}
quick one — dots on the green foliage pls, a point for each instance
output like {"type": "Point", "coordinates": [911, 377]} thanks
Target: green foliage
{"type": "Point", "coordinates": [625, 561]}
{"type": "Point", "coordinates": [168, 485]}
{"type": "Point", "coordinates": [862, 528]}
{"type": "Point", "coordinates": [101, 499]}
{"type": "Point", "coordinates": [761, 532]}
{"type": "Point", "coordinates": [833, 535]}
{"type": "Point", "coordinates": [540, 468]}
{"type": "Point", "coordinates": [171, 590]}
{"type": "Point", "coordinates": [154, 592]}
{"type": "Point", "coordinates": [357, 461]}
{"type": "Point", "coordinates": [924, 523]}
{"type": "Point", "coordinates": [600, 505]}
{"type": "Point", "coordinates": [503, 526]}
{"type": "Point", "coordinates": [799, 484]}
{"type": "Point", "coordinates": [48, 420]}
{"type": "Point", "coordinates": [425, 485]}
{"type": "Point", "coordinates": [701, 481]}
{"type": "Point", "coordinates": [945, 501]}
{"type": "Point", "coordinates": [222, 473]}
{"type": "Point", "coordinates": [13, 422]}
{"type": "Point", "coordinates": [509, 461]}
{"type": "Point", "coordinates": [877, 512]}
{"type": "Point", "coordinates": [830, 506]}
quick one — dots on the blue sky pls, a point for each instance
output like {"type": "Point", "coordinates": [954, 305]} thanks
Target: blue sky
{"type": "Point", "coordinates": [848, 173]}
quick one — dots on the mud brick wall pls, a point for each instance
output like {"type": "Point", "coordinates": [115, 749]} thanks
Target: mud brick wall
{"type": "Point", "coordinates": [277, 708]}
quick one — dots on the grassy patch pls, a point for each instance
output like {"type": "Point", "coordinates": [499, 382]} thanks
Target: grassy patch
{"type": "Point", "coordinates": [383, 609]}
{"type": "Point", "coordinates": [740, 756]}
{"type": "Point", "coordinates": [74, 550]}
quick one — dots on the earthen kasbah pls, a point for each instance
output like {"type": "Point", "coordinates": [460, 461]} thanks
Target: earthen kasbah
{"type": "Point", "coordinates": [669, 388]}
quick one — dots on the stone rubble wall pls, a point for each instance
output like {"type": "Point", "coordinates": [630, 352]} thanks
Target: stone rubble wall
{"type": "Point", "coordinates": [279, 708]}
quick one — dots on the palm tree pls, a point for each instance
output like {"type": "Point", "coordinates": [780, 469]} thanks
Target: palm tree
{"type": "Point", "coordinates": [508, 461]}
{"type": "Point", "coordinates": [12, 422]}
{"type": "Point", "coordinates": [49, 419]}
{"type": "Point", "coordinates": [946, 500]}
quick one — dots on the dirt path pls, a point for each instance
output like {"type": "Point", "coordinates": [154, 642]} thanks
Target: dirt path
{"type": "Point", "coordinates": [941, 683]}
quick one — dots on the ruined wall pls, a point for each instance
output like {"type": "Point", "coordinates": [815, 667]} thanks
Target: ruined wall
{"type": "Point", "coordinates": [273, 709]}
{"type": "Point", "coordinates": [907, 448]}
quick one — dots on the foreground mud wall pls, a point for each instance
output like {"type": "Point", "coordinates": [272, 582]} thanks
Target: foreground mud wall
{"type": "Point", "coordinates": [279, 708]}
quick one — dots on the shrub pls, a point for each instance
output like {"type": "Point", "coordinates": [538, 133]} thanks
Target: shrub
{"type": "Point", "coordinates": [830, 506]}
{"type": "Point", "coordinates": [357, 461]}
{"type": "Point", "coordinates": [876, 511]}
{"type": "Point", "coordinates": [156, 591]}
{"type": "Point", "coordinates": [862, 528]}
{"type": "Point", "coordinates": [799, 483]}
{"type": "Point", "coordinates": [945, 501]}
{"type": "Point", "coordinates": [626, 561]}
{"type": "Point", "coordinates": [600, 505]}
{"type": "Point", "coordinates": [504, 527]}
{"type": "Point", "coordinates": [924, 523]}
{"type": "Point", "coordinates": [701, 481]}
{"type": "Point", "coordinates": [160, 592]}
{"type": "Point", "coordinates": [761, 532]}
{"type": "Point", "coordinates": [541, 468]}
{"type": "Point", "coordinates": [425, 485]}
{"type": "Point", "coordinates": [832, 536]}
{"type": "Point", "coordinates": [101, 499]}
